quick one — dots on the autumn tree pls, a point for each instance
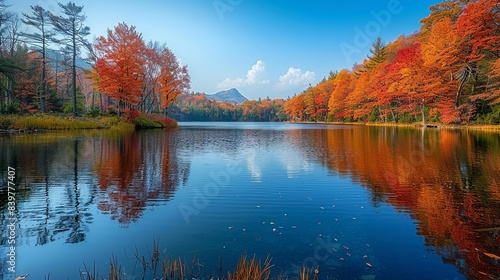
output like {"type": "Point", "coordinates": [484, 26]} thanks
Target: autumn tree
{"type": "Point", "coordinates": [120, 65]}
{"type": "Point", "coordinates": [493, 91]}
{"type": "Point", "coordinates": [173, 77]}
{"type": "Point", "coordinates": [295, 107]}
{"type": "Point", "coordinates": [27, 80]}
{"type": "Point", "coordinates": [343, 87]}
{"type": "Point", "coordinates": [441, 56]}
{"type": "Point", "coordinates": [479, 25]}
{"type": "Point", "coordinates": [73, 31]}
{"type": "Point", "coordinates": [448, 9]}
{"type": "Point", "coordinates": [359, 96]}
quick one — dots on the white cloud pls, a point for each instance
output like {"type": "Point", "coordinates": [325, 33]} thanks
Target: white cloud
{"type": "Point", "coordinates": [295, 77]}
{"type": "Point", "coordinates": [251, 78]}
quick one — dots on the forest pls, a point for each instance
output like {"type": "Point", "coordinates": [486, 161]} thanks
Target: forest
{"type": "Point", "coordinates": [120, 73]}
{"type": "Point", "coordinates": [447, 72]}
{"type": "Point", "coordinates": [196, 107]}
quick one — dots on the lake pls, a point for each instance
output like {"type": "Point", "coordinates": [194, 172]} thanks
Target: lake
{"type": "Point", "coordinates": [354, 202]}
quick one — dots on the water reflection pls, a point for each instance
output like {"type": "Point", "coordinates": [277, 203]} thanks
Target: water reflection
{"type": "Point", "coordinates": [448, 180]}
{"type": "Point", "coordinates": [135, 170]}
{"type": "Point", "coordinates": [61, 176]}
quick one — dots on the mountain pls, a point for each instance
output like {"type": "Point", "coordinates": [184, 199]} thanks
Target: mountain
{"type": "Point", "coordinates": [54, 56]}
{"type": "Point", "coordinates": [230, 96]}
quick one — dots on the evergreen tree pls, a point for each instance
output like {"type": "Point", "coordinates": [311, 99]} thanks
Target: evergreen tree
{"type": "Point", "coordinates": [73, 31]}
{"type": "Point", "coordinates": [40, 38]}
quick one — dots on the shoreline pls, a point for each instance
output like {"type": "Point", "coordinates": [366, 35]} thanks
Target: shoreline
{"type": "Point", "coordinates": [485, 127]}
{"type": "Point", "coordinates": [12, 124]}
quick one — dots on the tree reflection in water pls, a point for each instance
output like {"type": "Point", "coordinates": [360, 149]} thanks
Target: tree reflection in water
{"type": "Point", "coordinates": [134, 170]}
{"type": "Point", "coordinates": [63, 175]}
{"type": "Point", "coordinates": [447, 180]}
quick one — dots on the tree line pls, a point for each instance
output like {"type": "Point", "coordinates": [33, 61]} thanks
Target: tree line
{"type": "Point", "coordinates": [448, 71]}
{"type": "Point", "coordinates": [197, 107]}
{"type": "Point", "coordinates": [41, 66]}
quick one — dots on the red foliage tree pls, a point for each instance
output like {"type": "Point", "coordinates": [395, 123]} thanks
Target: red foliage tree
{"type": "Point", "coordinates": [119, 66]}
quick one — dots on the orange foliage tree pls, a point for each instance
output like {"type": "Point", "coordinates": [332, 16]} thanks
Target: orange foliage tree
{"type": "Point", "coordinates": [337, 102]}
{"type": "Point", "coordinates": [119, 65]}
{"type": "Point", "coordinates": [134, 75]}
{"type": "Point", "coordinates": [173, 78]}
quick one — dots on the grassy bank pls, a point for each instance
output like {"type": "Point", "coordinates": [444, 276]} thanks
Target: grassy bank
{"type": "Point", "coordinates": [42, 122]}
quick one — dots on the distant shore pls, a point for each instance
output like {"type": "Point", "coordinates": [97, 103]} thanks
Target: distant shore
{"type": "Point", "coordinates": [48, 122]}
{"type": "Point", "coordinates": [412, 125]}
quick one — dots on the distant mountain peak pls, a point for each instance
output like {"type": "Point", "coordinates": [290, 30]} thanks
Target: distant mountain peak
{"type": "Point", "coordinates": [231, 96]}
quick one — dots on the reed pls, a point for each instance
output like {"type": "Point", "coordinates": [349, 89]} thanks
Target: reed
{"type": "Point", "coordinates": [251, 269]}
{"type": "Point", "coordinates": [153, 266]}
{"type": "Point", "coordinates": [177, 269]}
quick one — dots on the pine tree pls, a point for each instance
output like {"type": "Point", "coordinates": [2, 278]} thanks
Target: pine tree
{"type": "Point", "coordinates": [40, 39]}
{"type": "Point", "coordinates": [73, 32]}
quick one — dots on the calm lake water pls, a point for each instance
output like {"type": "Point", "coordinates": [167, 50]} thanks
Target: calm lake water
{"type": "Point", "coordinates": [359, 202]}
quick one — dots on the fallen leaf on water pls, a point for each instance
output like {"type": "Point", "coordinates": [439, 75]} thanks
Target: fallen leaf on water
{"type": "Point", "coordinates": [492, 255]}
{"type": "Point", "coordinates": [369, 264]}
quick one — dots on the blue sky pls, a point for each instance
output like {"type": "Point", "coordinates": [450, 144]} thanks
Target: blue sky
{"type": "Point", "coordinates": [263, 48]}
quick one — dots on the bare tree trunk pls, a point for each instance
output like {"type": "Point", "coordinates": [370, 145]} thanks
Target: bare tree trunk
{"type": "Point", "coordinates": [74, 69]}
{"type": "Point", "coordinates": [459, 92]}
{"type": "Point", "coordinates": [423, 114]}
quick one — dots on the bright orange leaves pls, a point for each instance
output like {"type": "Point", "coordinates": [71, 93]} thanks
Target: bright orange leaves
{"type": "Point", "coordinates": [131, 73]}
{"type": "Point", "coordinates": [448, 72]}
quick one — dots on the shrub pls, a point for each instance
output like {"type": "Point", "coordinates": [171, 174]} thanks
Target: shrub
{"type": "Point", "coordinates": [142, 122]}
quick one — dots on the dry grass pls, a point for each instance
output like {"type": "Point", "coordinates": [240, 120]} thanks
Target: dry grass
{"type": "Point", "coordinates": [251, 270]}
{"type": "Point", "coordinates": [60, 122]}
{"type": "Point", "coordinates": [153, 266]}
{"type": "Point", "coordinates": [52, 122]}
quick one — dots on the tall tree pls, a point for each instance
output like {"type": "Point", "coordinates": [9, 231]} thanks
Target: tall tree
{"type": "Point", "coordinates": [174, 78]}
{"type": "Point", "coordinates": [5, 18]}
{"type": "Point", "coordinates": [479, 25]}
{"type": "Point", "coordinates": [71, 27]}
{"type": "Point", "coordinates": [120, 65]}
{"type": "Point", "coordinates": [378, 55]}
{"type": "Point", "coordinates": [338, 98]}
{"type": "Point", "coordinates": [450, 9]}
{"type": "Point", "coordinates": [40, 38]}
{"type": "Point", "coordinates": [443, 59]}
